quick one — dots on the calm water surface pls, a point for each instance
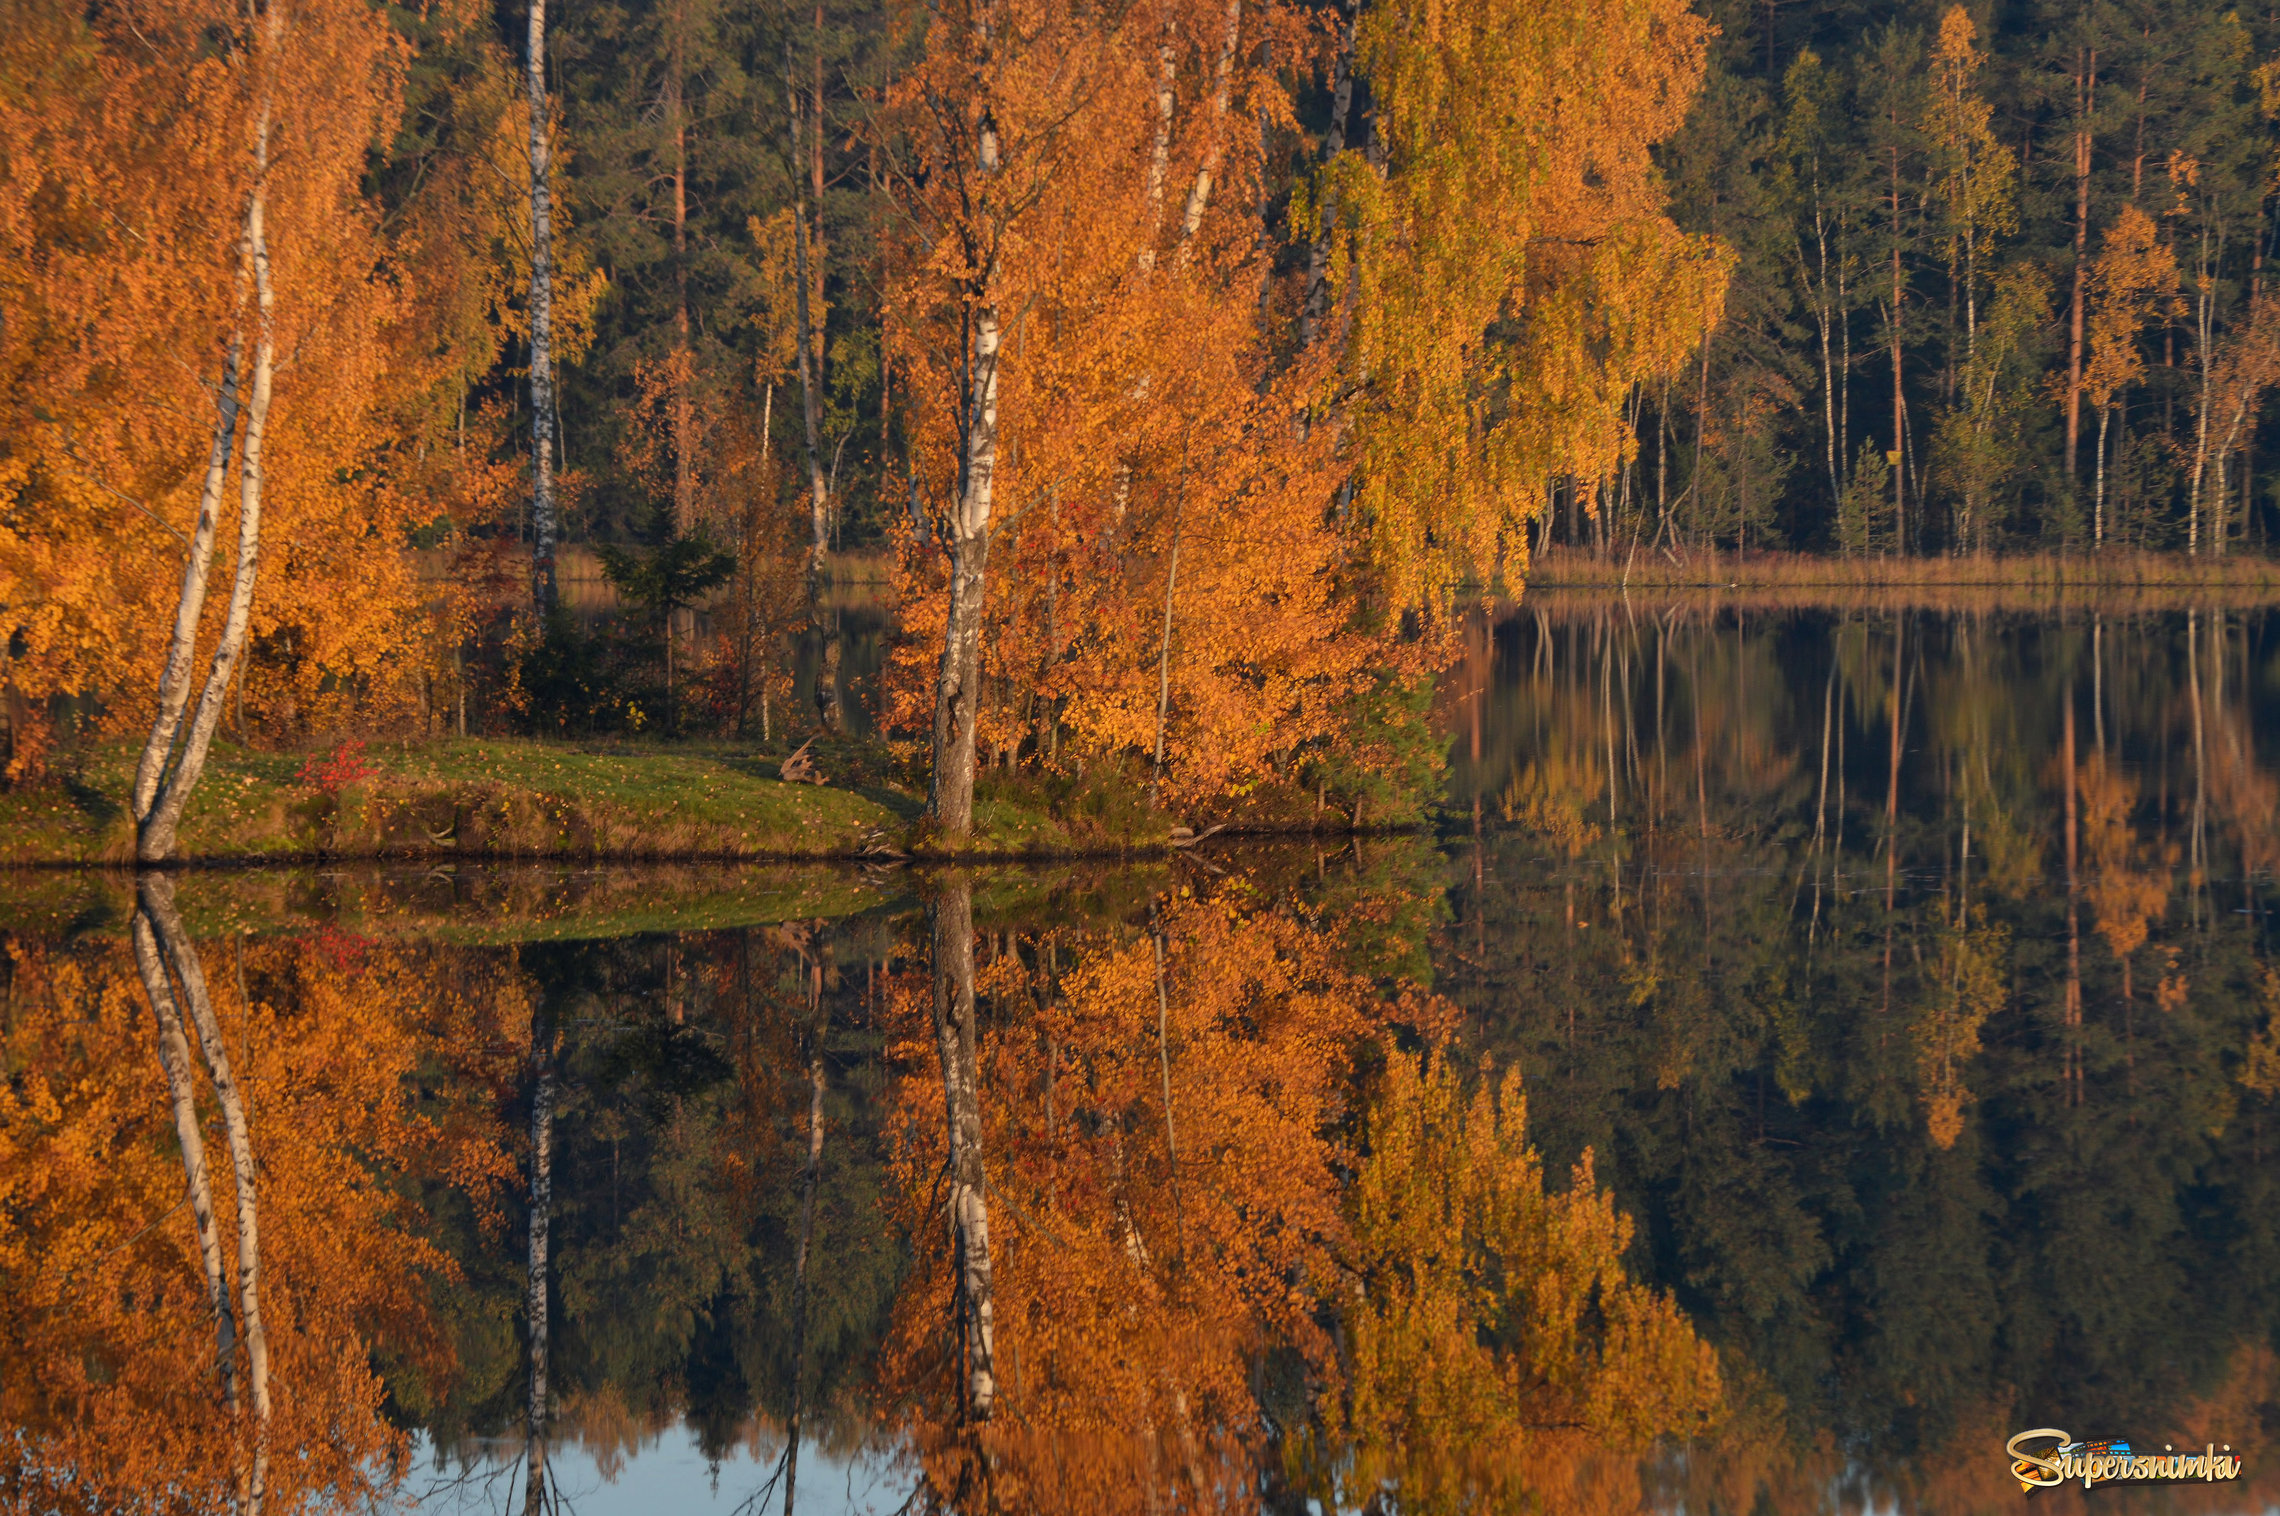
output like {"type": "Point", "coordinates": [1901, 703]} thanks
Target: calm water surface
{"type": "Point", "coordinates": [1906, 979]}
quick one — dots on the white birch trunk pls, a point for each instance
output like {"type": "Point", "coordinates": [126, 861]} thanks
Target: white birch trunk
{"type": "Point", "coordinates": [1164, 1068]}
{"type": "Point", "coordinates": [174, 1057]}
{"type": "Point", "coordinates": [174, 680]}
{"type": "Point", "coordinates": [534, 1293]}
{"type": "Point", "coordinates": [1199, 193]}
{"type": "Point", "coordinates": [969, 1206]}
{"type": "Point", "coordinates": [2098, 506]}
{"type": "Point", "coordinates": [155, 892]}
{"type": "Point", "coordinates": [1164, 647]}
{"type": "Point", "coordinates": [1160, 148]}
{"type": "Point", "coordinates": [158, 822]}
{"type": "Point", "coordinates": [958, 681]}
{"type": "Point", "coordinates": [542, 518]}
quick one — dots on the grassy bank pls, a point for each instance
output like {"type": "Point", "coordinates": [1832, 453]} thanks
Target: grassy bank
{"type": "Point", "coordinates": [479, 798]}
{"type": "Point", "coordinates": [530, 800]}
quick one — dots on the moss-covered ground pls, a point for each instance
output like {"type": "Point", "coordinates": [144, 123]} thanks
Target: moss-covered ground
{"type": "Point", "coordinates": [526, 799]}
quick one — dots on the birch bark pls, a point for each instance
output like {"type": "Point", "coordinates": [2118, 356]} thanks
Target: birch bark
{"type": "Point", "coordinates": [542, 518]}
{"type": "Point", "coordinates": [181, 652]}
{"type": "Point", "coordinates": [534, 1284]}
{"type": "Point", "coordinates": [158, 821]}
{"type": "Point", "coordinates": [958, 682]}
{"type": "Point", "coordinates": [155, 896]}
{"type": "Point", "coordinates": [1215, 146]}
{"type": "Point", "coordinates": [1160, 148]}
{"type": "Point", "coordinates": [174, 1057]}
{"type": "Point", "coordinates": [952, 914]}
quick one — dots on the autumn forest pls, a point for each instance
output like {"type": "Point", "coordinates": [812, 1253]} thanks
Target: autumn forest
{"type": "Point", "coordinates": [1016, 756]}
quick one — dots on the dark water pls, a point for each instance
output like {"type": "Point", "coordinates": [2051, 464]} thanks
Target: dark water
{"type": "Point", "coordinates": [1906, 977]}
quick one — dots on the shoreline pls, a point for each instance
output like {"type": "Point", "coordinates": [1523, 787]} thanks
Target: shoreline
{"type": "Point", "coordinates": [495, 801]}
{"type": "Point", "coordinates": [983, 853]}
{"type": "Point", "coordinates": [1571, 570]}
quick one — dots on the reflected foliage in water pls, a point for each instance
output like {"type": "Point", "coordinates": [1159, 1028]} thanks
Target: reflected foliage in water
{"type": "Point", "coordinates": [1814, 1048]}
{"type": "Point", "coordinates": [1911, 976]}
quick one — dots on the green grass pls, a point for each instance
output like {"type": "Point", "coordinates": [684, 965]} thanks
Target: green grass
{"type": "Point", "coordinates": [530, 800]}
{"type": "Point", "coordinates": [468, 797]}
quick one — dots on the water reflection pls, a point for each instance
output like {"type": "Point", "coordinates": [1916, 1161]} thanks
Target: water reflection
{"type": "Point", "coordinates": [1819, 1047]}
{"type": "Point", "coordinates": [1911, 976]}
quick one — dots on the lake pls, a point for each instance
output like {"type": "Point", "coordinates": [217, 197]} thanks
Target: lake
{"type": "Point", "coordinates": [1807, 1048]}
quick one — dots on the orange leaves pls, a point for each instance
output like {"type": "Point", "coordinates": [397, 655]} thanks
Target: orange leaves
{"type": "Point", "coordinates": [2133, 278]}
{"type": "Point", "coordinates": [106, 1358]}
{"type": "Point", "coordinates": [2129, 880]}
{"type": "Point", "coordinates": [1136, 1289]}
{"type": "Point", "coordinates": [1167, 562]}
{"type": "Point", "coordinates": [129, 163]}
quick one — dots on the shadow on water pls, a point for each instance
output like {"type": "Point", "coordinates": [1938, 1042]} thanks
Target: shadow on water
{"type": "Point", "coordinates": [1816, 1047]}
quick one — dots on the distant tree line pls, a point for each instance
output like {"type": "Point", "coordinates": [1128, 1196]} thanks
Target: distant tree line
{"type": "Point", "coordinates": [1999, 283]}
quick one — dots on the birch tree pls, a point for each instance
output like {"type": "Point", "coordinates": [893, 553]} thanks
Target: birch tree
{"type": "Point", "coordinates": [173, 755]}
{"type": "Point", "coordinates": [543, 525]}
{"type": "Point", "coordinates": [951, 920]}
{"type": "Point", "coordinates": [988, 113]}
{"type": "Point", "coordinates": [2133, 280]}
{"type": "Point", "coordinates": [159, 922]}
{"type": "Point", "coordinates": [536, 1313]}
{"type": "Point", "coordinates": [1516, 273]}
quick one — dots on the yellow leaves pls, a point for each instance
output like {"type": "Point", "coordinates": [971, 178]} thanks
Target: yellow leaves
{"type": "Point", "coordinates": [778, 315]}
{"type": "Point", "coordinates": [1965, 985]}
{"type": "Point", "coordinates": [1552, 799]}
{"type": "Point", "coordinates": [2260, 1068]}
{"type": "Point", "coordinates": [1515, 274]}
{"type": "Point", "coordinates": [2132, 280]}
{"type": "Point", "coordinates": [1498, 1346]}
{"type": "Point", "coordinates": [1975, 172]}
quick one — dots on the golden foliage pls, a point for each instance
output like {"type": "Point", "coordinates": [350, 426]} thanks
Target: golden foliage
{"type": "Point", "coordinates": [1135, 1292]}
{"type": "Point", "coordinates": [1163, 560]}
{"type": "Point", "coordinates": [1966, 985]}
{"type": "Point", "coordinates": [2129, 879]}
{"type": "Point", "coordinates": [106, 1349]}
{"type": "Point", "coordinates": [2134, 278]}
{"type": "Point", "coordinates": [1511, 272]}
{"type": "Point", "coordinates": [1501, 1355]}
{"type": "Point", "coordinates": [126, 160]}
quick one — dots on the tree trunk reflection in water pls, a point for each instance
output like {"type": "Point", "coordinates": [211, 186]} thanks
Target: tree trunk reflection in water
{"type": "Point", "coordinates": [174, 1057]}
{"type": "Point", "coordinates": [541, 1214]}
{"type": "Point", "coordinates": [2073, 1065]}
{"type": "Point", "coordinates": [951, 916]}
{"type": "Point", "coordinates": [165, 956]}
{"type": "Point", "coordinates": [819, 1016]}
